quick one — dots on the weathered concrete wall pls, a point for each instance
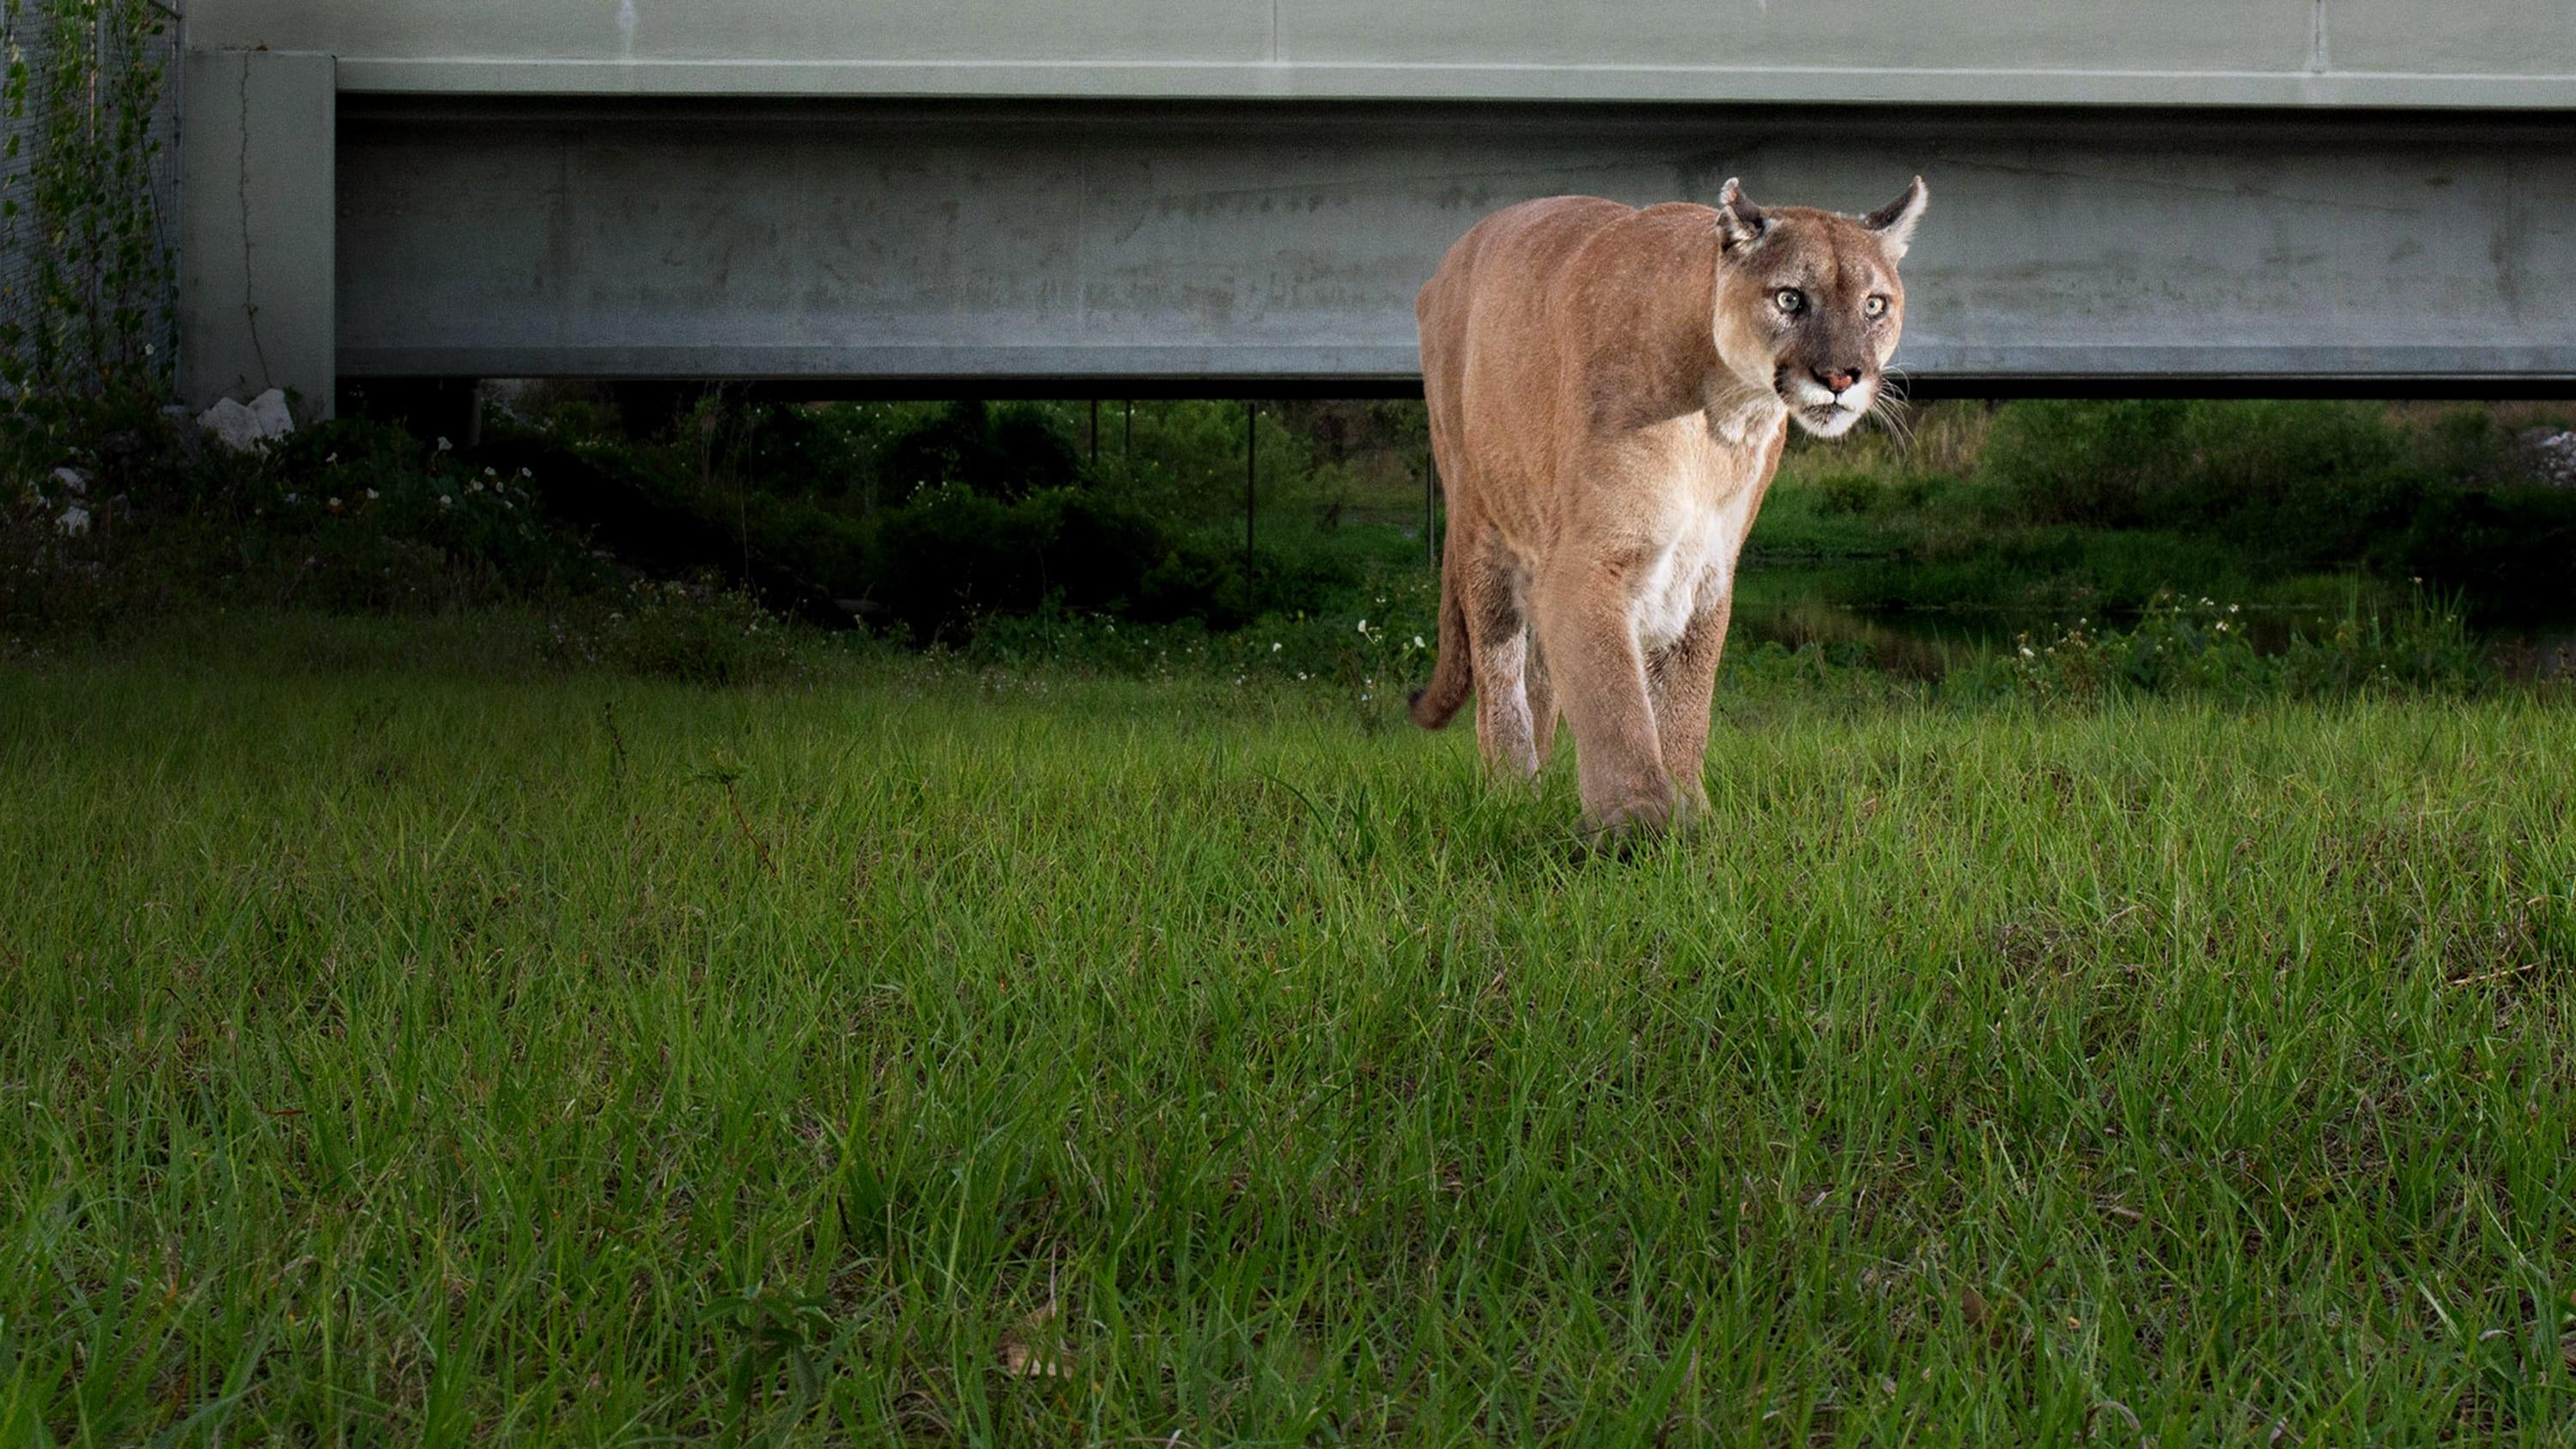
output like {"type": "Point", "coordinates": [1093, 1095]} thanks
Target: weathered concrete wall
{"type": "Point", "coordinates": [257, 301]}
{"type": "Point", "coordinates": [2475, 53]}
{"type": "Point", "coordinates": [1286, 242]}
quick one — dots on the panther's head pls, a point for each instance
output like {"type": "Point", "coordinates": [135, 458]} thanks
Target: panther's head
{"type": "Point", "coordinates": [1808, 302]}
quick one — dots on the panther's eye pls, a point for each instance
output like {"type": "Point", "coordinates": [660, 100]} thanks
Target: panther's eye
{"type": "Point", "coordinates": [1874, 307]}
{"type": "Point", "coordinates": [1790, 300]}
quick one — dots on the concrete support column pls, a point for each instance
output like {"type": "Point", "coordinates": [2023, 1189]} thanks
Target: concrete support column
{"type": "Point", "coordinates": [258, 303]}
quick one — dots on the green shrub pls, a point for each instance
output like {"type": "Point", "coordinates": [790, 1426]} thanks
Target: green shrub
{"type": "Point", "coordinates": [2203, 647]}
{"type": "Point", "coordinates": [2299, 486]}
{"type": "Point", "coordinates": [2303, 482]}
{"type": "Point", "coordinates": [2102, 464]}
{"type": "Point", "coordinates": [809, 450]}
{"type": "Point", "coordinates": [696, 631]}
{"type": "Point", "coordinates": [952, 553]}
{"type": "Point", "coordinates": [347, 516]}
{"type": "Point", "coordinates": [2466, 442]}
{"type": "Point", "coordinates": [2314, 480]}
{"type": "Point", "coordinates": [943, 557]}
{"type": "Point", "coordinates": [1846, 491]}
{"type": "Point", "coordinates": [650, 508]}
{"type": "Point", "coordinates": [1008, 452]}
{"type": "Point", "coordinates": [1917, 490]}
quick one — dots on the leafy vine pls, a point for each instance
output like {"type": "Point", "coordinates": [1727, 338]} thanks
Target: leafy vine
{"type": "Point", "coordinates": [88, 295]}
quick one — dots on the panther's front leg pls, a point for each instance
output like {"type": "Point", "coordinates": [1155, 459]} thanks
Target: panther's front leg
{"type": "Point", "coordinates": [1586, 629]}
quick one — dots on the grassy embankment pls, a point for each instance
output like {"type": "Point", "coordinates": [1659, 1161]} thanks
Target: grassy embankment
{"type": "Point", "coordinates": [434, 1050]}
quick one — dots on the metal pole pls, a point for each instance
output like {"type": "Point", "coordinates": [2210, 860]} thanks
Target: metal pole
{"type": "Point", "coordinates": [1251, 457]}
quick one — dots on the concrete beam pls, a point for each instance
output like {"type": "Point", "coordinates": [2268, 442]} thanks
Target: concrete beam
{"type": "Point", "coordinates": [257, 301]}
{"type": "Point", "coordinates": [1367, 81]}
{"type": "Point", "coordinates": [2486, 54]}
{"type": "Point", "coordinates": [1282, 244]}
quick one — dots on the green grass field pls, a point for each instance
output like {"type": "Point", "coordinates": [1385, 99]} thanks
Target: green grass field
{"type": "Point", "coordinates": [444, 1050]}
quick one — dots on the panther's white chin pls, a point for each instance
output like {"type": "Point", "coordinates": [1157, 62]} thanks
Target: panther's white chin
{"type": "Point", "coordinates": [1825, 413]}
{"type": "Point", "coordinates": [1825, 420]}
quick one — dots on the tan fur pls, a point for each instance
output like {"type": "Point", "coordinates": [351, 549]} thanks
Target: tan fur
{"type": "Point", "coordinates": [1609, 392]}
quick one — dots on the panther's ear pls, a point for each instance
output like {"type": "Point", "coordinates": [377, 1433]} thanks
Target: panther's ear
{"type": "Point", "coordinates": [1894, 222]}
{"type": "Point", "coordinates": [1739, 222]}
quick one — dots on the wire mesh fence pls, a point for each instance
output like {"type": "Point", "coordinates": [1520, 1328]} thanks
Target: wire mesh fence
{"type": "Point", "coordinates": [89, 193]}
{"type": "Point", "coordinates": [19, 147]}
{"type": "Point", "coordinates": [162, 51]}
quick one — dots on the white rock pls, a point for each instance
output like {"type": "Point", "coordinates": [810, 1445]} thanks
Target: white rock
{"type": "Point", "coordinates": [74, 481]}
{"type": "Point", "coordinates": [74, 522]}
{"type": "Point", "coordinates": [275, 420]}
{"type": "Point", "coordinates": [232, 425]}
{"type": "Point", "coordinates": [242, 428]}
{"type": "Point", "coordinates": [2556, 454]}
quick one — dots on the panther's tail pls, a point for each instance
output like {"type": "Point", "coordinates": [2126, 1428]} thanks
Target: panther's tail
{"type": "Point", "coordinates": [1452, 673]}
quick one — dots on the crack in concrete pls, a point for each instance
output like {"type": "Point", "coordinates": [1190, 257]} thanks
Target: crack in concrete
{"type": "Point", "coordinates": [241, 187]}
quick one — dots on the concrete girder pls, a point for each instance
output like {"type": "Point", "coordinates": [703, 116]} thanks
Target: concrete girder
{"type": "Point", "coordinates": [1278, 245]}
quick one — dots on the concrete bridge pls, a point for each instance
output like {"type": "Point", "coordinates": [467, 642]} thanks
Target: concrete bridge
{"type": "Point", "coordinates": [1221, 195]}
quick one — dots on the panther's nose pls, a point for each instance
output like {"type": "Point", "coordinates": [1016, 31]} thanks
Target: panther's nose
{"type": "Point", "coordinates": [1838, 380]}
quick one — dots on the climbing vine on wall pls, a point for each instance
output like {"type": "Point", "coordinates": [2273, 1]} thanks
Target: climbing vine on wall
{"type": "Point", "coordinates": [87, 266]}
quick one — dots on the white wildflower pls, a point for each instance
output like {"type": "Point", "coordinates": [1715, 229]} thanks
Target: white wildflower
{"type": "Point", "coordinates": [445, 446]}
{"type": "Point", "coordinates": [1418, 644]}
